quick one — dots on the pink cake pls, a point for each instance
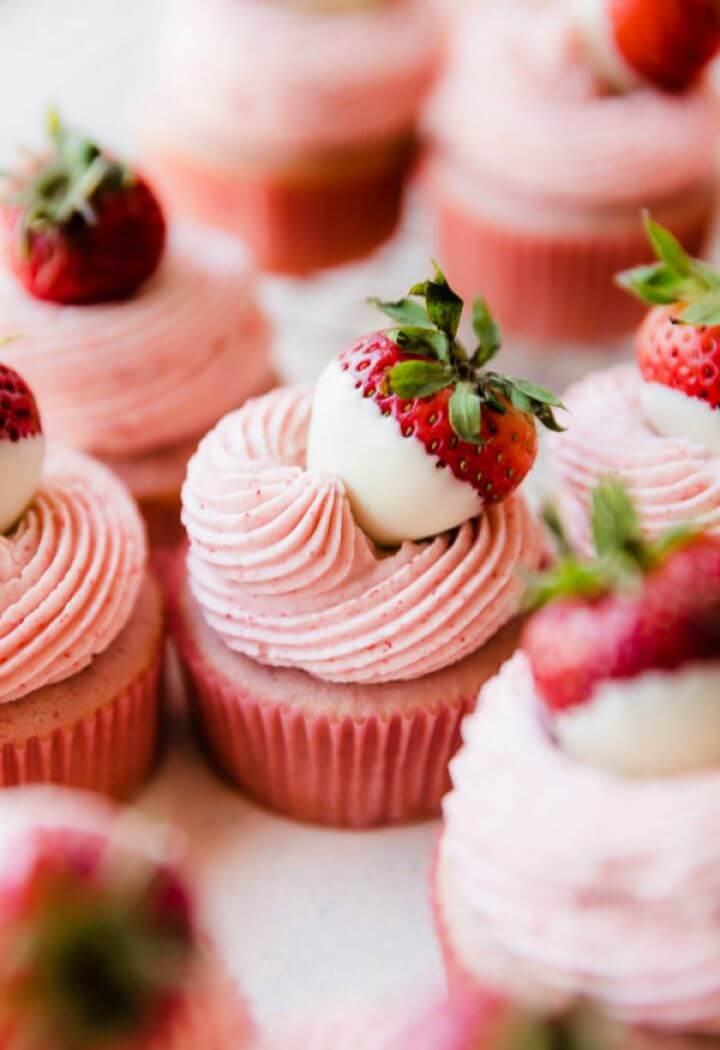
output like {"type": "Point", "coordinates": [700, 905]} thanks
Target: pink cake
{"type": "Point", "coordinates": [77, 877]}
{"type": "Point", "coordinates": [303, 133]}
{"type": "Point", "coordinates": [81, 621]}
{"type": "Point", "coordinates": [539, 172]}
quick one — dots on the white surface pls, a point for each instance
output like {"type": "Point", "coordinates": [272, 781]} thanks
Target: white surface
{"type": "Point", "coordinates": [657, 724]}
{"type": "Point", "coordinates": [674, 414]}
{"type": "Point", "coordinates": [395, 489]}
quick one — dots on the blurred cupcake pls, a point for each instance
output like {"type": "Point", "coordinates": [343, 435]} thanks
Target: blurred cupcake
{"type": "Point", "coordinates": [578, 863]}
{"type": "Point", "coordinates": [656, 424]}
{"type": "Point", "coordinates": [133, 348]}
{"type": "Point", "coordinates": [551, 132]}
{"type": "Point", "coordinates": [99, 942]}
{"type": "Point", "coordinates": [355, 567]}
{"type": "Point", "coordinates": [81, 622]}
{"type": "Point", "coordinates": [302, 132]}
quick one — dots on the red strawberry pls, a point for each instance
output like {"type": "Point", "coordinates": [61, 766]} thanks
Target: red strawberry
{"type": "Point", "coordinates": [81, 227]}
{"type": "Point", "coordinates": [638, 608]}
{"type": "Point", "coordinates": [667, 42]}
{"type": "Point", "coordinates": [679, 343]}
{"type": "Point", "coordinates": [94, 946]}
{"type": "Point", "coordinates": [22, 447]}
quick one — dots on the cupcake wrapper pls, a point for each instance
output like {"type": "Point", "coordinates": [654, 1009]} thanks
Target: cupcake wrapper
{"type": "Point", "coordinates": [292, 226]}
{"type": "Point", "coordinates": [544, 287]}
{"type": "Point", "coordinates": [111, 752]}
{"type": "Point", "coordinates": [344, 772]}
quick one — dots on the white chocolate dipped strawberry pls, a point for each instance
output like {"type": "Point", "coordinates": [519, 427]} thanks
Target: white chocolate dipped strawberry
{"type": "Point", "coordinates": [419, 431]}
{"type": "Point", "coordinates": [625, 649]}
{"type": "Point", "coordinates": [664, 43]}
{"type": "Point", "coordinates": [22, 447]}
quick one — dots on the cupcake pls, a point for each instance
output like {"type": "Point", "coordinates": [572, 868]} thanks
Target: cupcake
{"type": "Point", "coordinates": [555, 125]}
{"type": "Point", "coordinates": [578, 863]}
{"type": "Point", "coordinates": [355, 566]}
{"type": "Point", "coordinates": [303, 134]}
{"type": "Point", "coordinates": [81, 620]}
{"type": "Point", "coordinates": [133, 347]}
{"type": "Point", "coordinates": [99, 941]}
{"type": "Point", "coordinates": [654, 424]}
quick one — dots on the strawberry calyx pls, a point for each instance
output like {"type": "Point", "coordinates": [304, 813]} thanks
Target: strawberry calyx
{"type": "Point", "coordinates": [623, 556]}
{"type": "Point", "coordinates": [428, 323]}
{"type": "Point", "coordinates": [676, 279]}
{"type": "Point", "coordinates": [63, 186]}
{"type": "Point", "coordinates": [96, 948]}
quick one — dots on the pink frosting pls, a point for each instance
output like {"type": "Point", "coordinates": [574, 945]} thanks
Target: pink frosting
{"type": "Point", "coordinates": [70, 574]}
{"type": "Point", "coordinates": [577, 883]}
{"type": "Point", "coordinates": [672, 481]}
{"type": "Point", "coordinates": [284, 575]}
{"type": "Point", "coordinates": [125, 378]}
{"type": "Point", "coordinates": [521, 107]}
{"type": "Point", "coordinates": [277, 82]}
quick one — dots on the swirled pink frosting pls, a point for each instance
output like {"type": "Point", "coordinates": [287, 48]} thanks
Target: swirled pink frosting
{"type": "Point", "coordinates": [569, 882]}
{"type": "Point", "coordinates": [672, 481]}
{"type": "Point", "coordinates": [521, 107]}
{"type": "Point", "coordinates": [277, 82]}
{"type": "Point", "coordinates": [70, 574]}
{"type": "Point", "coordinates": [160, 368]}
{"type": "Point", "coordinates": [284, 575]}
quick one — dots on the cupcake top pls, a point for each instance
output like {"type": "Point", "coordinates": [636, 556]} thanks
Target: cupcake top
{"type": "Point", "coordinates": [281, 78]}
{"type": "Point", "coordinates": [131, 345]}
{"type": "Point", "coordinates": [659, 420]}
{"type": "Point", "coordinates": [522, 106]}
{"type": "Point", "coordinates": [287, 501]}
{"type": "Point", "coordinates": [71, 569]}
{"type": "Point", "coordinates": [578, 863]}
{"type": "Point", "coordinates": [100, 940]}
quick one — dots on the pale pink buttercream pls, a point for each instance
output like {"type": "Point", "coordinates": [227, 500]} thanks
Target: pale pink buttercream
{"type": "Point", "coordinates": [129, 377]}
{"type": "Point", "coordinates": [284, 575]}
{"type": "Point", "coordinates": [246, 81]}
{"type": "Point", "coordinates": [561, 881]}
{"type": "Point", "coordinates": [521, 108]}
{"type": "Point", "coordinates": [672, 481]}
{"type": "Point", "coordinates": [70, 574]}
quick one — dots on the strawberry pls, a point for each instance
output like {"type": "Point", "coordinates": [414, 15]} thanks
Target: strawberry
{"type": "Point", "coordinates": [679, 343]}
{"type": "Point", "coordinates": [476, 422]}
{"type": "Point", "coordinates": [81, 227]}
{"type": "Point", "coordinates": [636, 608]}
{"type": "Point", "coordinates": [95, 946]}
{"type": "Point", "coordinates": [666, 42]}
{"type": "Point", "coordinates": [22, 446]}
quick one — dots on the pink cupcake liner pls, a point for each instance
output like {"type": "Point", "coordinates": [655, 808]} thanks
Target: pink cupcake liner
{"type": "Point", "coordinates": [546, 287]}
{"type": "Point", "coordinates": [111, 751]}
{"type": "Point", "coordinates": [292, 225]}
{"type": "Point", "coordinates": [342, 772]}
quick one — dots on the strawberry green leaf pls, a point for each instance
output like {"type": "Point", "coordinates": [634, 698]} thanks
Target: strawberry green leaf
{"type": "Point", "coordinates": [486, 332]}
{"type": "Point", "coordinates": [444, 307]}
{"type": "Point", "coordinates": [668, 248]}
{"type": "Point", "coordinates": [652, 284]}
{"type": "Point", "coordinates": [705, 310]}
{"type": "Point", "coordinates": [426, 341]}
{"type": "Point", "coordinates": [410, 379]}
{"type": "Point", "coordinates": [403, 311]}
{"type": "Point", "coordinates": [568, 578]}
{"type": "Point", "coordinates": [536, 393]}
{"type": "Point", "coordinates": [615, 524]}
{"type": "Point", "coordinates": [554, 524]}
{"type": "Point", "coordinates": [677, 277]}
{"type": "Point", "coordinates": [466, 412]}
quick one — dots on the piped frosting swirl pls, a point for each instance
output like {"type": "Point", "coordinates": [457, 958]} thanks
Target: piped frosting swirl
{"type": "Point", "coordinates": [70, 574]}
{"type": "Point", "coordinates": [563, 882]}
{"type": "Point", "coordinates": [284, 575]}
{"type": "Point", "coordinates": [672, 480]}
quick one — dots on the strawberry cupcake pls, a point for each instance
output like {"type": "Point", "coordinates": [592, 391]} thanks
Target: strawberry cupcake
{"type": "Point", "coordinates": [99, 941]}
{"type": "Point", "coordinates": [555, 125]}
{"type": "Point", "coordinates": [578, 863]}
{"type": "Point", "coordinates": [134, 346]}
{"type": "Point", "coordinates": [655, 424]}
{"type": "Point", "coordinates": [81, 620]}
{"type": "Point", "coordinates": [303, 134]}
{"type": "Point", "coordinates": [355, 567]}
